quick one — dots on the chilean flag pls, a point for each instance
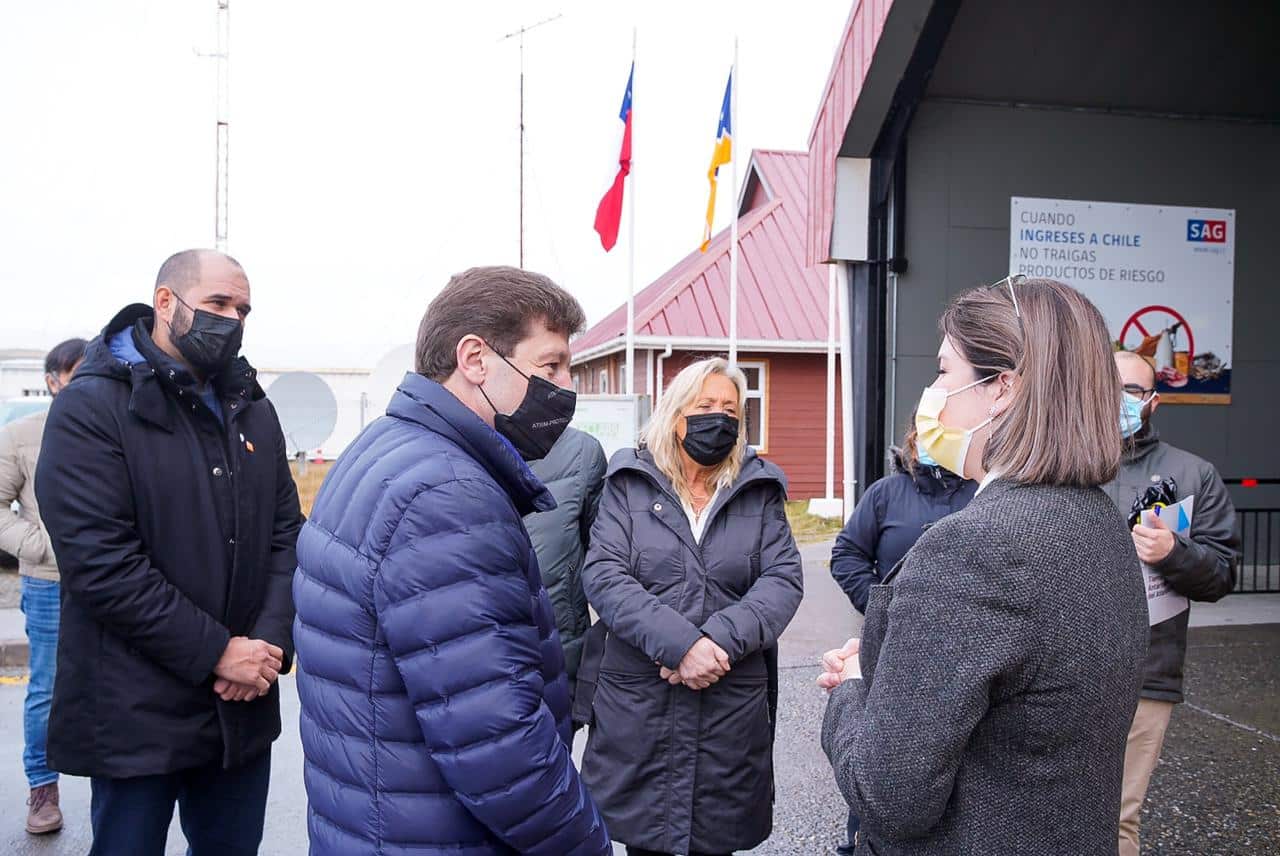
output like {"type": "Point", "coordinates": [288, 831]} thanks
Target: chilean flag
{"type": "Point", "coordinates": [609, 213]}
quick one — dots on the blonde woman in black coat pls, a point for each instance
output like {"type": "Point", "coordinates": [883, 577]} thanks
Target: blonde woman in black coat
{"type": "Point", "coordinates": [694, 573]}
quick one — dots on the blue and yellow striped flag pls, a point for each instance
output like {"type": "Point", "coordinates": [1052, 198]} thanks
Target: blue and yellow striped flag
{"type": "Point", "coordinates": [720, 155]}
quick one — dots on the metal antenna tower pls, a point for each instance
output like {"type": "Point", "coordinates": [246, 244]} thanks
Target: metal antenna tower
{"type": "Point", "coordinates": [223, 118]}
{"type": "Point", "coordinates": [520, 34]}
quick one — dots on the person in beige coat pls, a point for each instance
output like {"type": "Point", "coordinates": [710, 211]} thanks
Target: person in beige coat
{"type": "Point", "coordinates": [23, 535]}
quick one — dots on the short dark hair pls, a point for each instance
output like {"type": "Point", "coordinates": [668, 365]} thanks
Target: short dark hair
{"type": "Point", "coordinates": [64, 356]}
{"type": "Point", "coordinates": [497, 304]}
{"type": "Point", "coordinates": [182, 270]}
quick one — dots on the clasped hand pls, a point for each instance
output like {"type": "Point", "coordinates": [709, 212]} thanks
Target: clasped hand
{"type": "Point", "coordinates": [840, 665]}
{"type": "Point", "coordinates": [703, 665]}
{"type": "Point", "coordinates": [247, 669]}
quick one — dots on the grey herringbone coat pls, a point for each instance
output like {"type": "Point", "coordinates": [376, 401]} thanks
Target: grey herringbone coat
{"type": "Point", "coordinates": [1001, 671]}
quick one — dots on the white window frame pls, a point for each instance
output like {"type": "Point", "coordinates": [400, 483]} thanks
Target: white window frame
{"type": "Point", "coordinates": [761, 395]}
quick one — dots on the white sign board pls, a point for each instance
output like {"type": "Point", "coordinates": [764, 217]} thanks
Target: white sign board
{"type": "Point", "coordinates": [1163, 277]}
{"type": "Point", "coordinates": [614, 420]}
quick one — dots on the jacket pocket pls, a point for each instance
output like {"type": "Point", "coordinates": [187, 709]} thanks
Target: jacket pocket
{"type": "Point", "coordinates": [661, 572]}
{"type": "Point", "coordinates": [733, 574]}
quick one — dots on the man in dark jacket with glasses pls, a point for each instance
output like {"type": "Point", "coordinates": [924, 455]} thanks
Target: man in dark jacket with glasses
{"type": "Point", "coordinates": [1199, 566]}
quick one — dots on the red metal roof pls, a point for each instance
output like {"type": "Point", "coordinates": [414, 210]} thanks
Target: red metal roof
{"type": "Point", "coordinates": [848, 73]}
{"type": "Point", "coordinates": [780, 298]}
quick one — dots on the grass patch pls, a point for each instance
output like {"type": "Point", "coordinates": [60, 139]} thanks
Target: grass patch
{"type": "Point", "coordinates": [806, 527]}
{"type": "Point", "coordinates": [809, 528]}
{"type": "Point", "coordinates": [309, 482]}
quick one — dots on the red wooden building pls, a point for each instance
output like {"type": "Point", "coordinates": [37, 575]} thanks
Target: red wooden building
{"type": "Point", "coordinates": [782, 325]}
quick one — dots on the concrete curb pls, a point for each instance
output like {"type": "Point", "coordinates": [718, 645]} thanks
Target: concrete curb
{"type": "Point", "coordinates": [14, 653]}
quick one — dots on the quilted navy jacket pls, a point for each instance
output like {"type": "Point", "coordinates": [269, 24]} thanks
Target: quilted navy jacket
{"type": "Point", "coordinates": [434, 700]}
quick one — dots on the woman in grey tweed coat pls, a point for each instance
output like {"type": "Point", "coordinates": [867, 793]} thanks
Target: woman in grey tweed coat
{"type": "Point", "coordinates": [986, 706]}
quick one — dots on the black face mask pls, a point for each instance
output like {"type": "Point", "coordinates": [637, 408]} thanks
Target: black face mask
{"type": "Point", "coordinates": [540, 419]}
{"type": "Point", "coordinates": [710, 437]}
{"type": "Point", "coordinates": [210, 343]}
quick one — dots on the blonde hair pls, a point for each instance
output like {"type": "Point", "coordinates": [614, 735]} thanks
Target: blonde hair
{"type": "Point", "coordinates": [1060, 427]}
{"type": "Point", "coordinates": [660, 436]}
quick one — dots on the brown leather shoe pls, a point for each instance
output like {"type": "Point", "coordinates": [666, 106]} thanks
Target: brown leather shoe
{"type": "Point", "coordinates": [44, 816]}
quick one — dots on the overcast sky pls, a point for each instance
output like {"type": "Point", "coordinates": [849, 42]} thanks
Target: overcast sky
{"type": "Point", "coordinates": [374, 150]}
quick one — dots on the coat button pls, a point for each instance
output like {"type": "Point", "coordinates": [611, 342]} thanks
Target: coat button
{"type": "Point", "coordinates": [217, 471]}
{"type": "Point", "coordinates": [657, 506]}
{"type": "Point", "coordinates": [231, 541]}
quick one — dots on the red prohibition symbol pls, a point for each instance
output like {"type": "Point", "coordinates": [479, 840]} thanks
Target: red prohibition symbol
{"type": "Point", "coordinates": [1152, 314]}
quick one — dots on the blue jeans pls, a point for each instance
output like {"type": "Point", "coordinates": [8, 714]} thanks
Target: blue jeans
{"type": "Point", "coordinates": [222, 811]}
{"type": "Point", "coordinates": [40, 606]}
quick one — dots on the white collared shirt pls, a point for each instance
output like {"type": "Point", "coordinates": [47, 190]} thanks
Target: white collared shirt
{"type": "Point", "coordinates": [698, 522]}
{"type": "Point", "coordinates": [986, 480]}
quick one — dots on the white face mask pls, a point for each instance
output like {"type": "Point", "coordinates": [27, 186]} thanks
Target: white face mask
{"type": "Point", "coordinates": [948, 446]}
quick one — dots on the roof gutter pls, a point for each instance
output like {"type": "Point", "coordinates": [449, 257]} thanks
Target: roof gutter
{"type": "Point", "coordinates": [693, 343]}
{"type": "Point", "coordinates": [662, 359]}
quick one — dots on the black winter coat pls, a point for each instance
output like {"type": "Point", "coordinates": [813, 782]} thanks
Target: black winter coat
{"type": "Point", "coordinates": [173, 534]}
{"type": "Point", "coordinates": [673, 769]}
{"type": "Point", "coordinates": [891, 516]}
{"type": "Point", "coordinates": [574, 473]}
{"type": "Point", "coordinates": [1201, 567]}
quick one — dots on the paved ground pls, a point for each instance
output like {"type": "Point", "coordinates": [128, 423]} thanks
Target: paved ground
{"type": "Point", "coordinates": [10, 588]}
{"type": "Point", "coordinates": [1217, 790]}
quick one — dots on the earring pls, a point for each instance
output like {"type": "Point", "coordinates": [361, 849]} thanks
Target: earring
{"type": "Point", "coordinates": [991, 411]}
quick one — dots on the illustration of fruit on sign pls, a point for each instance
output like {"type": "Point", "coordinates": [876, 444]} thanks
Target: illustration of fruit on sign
{"type": "Point", "coordinates": [1161, 330]}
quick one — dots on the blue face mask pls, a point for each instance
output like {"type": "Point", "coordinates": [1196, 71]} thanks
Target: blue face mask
{"type": "Point", "coordinates": [1130, 415]}
{"type": "Point", "coordinates": [925, 459]}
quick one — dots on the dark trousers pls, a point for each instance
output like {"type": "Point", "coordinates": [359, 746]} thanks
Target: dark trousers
{"type": "Point", "coordinates": [221, 811]}
{"type": "Point", "coordinates": [852, 828]}
{"type": "Point", "coordinates": [640, 851]}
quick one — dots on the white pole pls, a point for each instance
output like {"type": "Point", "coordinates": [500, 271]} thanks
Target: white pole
{"type": "Point", "coordinates": [735, 136]}
{"type": "Point", "coordinates": [846, 383]}
{"type": "Point", "coordinates": [631, 237]}
{"type": "Point", "coordinates": [831, 381]}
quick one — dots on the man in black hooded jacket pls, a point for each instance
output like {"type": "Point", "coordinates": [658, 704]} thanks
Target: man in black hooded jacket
{"type": "Point", "coordinates": [167, 495]}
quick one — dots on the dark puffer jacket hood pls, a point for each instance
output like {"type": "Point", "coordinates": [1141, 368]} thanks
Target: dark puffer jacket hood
{"type": "Point", "coordinates": [930, 480]}
{"type": "Point", "coordinates": [891, 516]}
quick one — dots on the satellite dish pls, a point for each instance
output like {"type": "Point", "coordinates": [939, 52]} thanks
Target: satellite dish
{"type": "Point", "coordinates": [386, 377]}
{"type": "Point", "coordinates": [307, 408]}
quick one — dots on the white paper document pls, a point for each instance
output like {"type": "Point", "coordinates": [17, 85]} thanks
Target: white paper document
{"type": "Point", "coordinates": [1163, 602]}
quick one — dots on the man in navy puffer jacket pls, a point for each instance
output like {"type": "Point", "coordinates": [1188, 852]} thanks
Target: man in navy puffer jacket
{"type": "Point", "coordinates": [435, 708]}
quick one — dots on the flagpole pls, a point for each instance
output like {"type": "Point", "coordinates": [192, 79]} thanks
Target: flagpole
{"type": "Point", "coordinates": [734, 136]}
{"type": "Point", "coordinates": [631, 237]}
{"type": "Point", "coordinates": [732, 253]}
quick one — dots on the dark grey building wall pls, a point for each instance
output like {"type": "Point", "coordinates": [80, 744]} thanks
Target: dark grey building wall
{"type": "Point", "coordinates": [964, 162]}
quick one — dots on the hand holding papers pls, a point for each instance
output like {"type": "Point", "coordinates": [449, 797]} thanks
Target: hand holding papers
{"type": "Point", "coordinates": [1163, 602]}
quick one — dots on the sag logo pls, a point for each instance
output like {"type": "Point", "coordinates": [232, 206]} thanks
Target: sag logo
{"type": "Point", "coordinates": [1207, 231]}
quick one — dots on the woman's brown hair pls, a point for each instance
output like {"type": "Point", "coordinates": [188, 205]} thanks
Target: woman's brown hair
{"type": "Point", "coordinates": [1061, 426]}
